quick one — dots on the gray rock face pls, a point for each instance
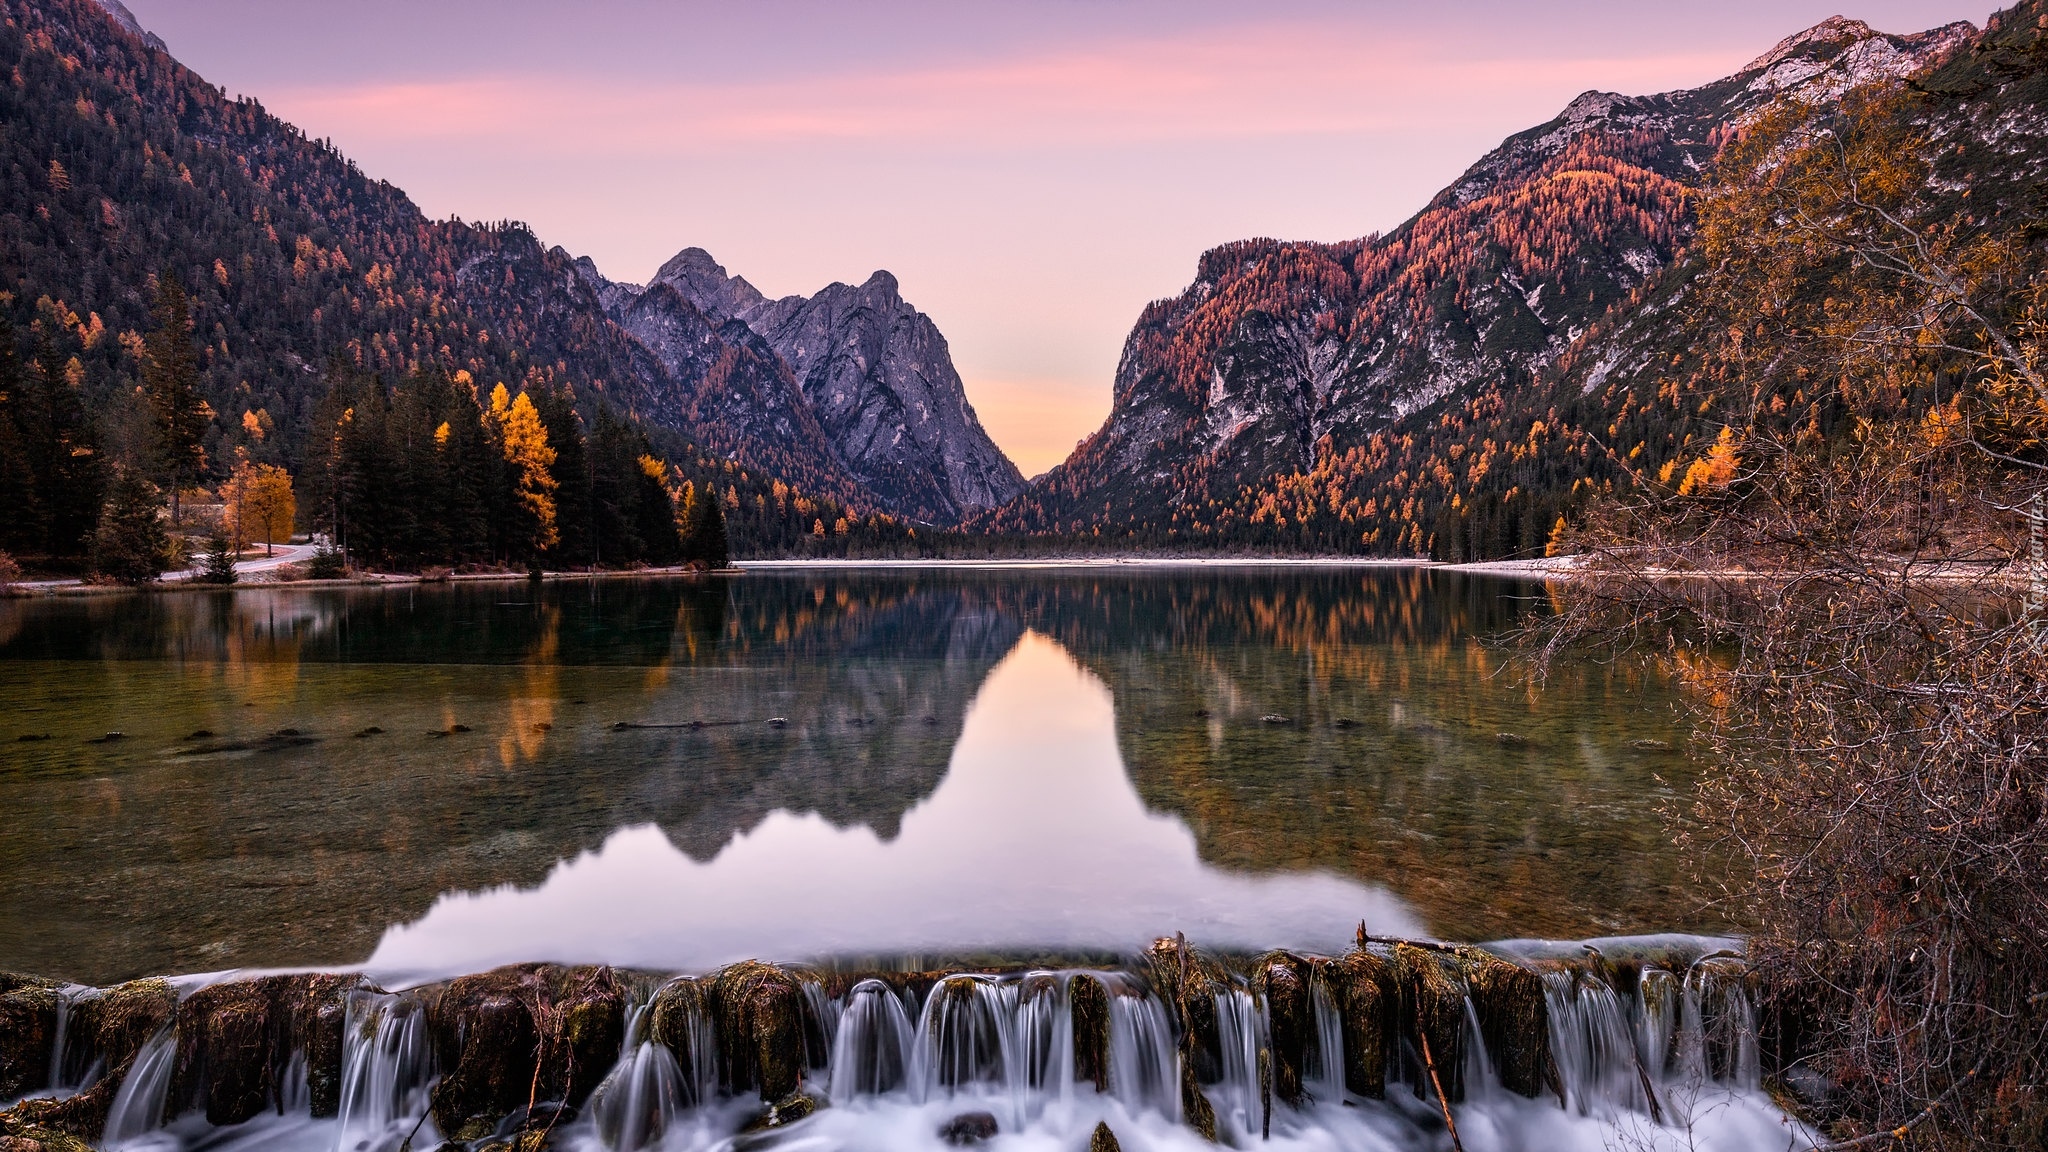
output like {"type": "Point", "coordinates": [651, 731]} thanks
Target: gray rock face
{"type": "Point", "coordinates": [881, 380]}
{"type": "Point", "coordinates": [867, 370]}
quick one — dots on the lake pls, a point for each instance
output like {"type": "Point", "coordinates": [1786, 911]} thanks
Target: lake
{"type": "Point", "coordinates": [675, 773]}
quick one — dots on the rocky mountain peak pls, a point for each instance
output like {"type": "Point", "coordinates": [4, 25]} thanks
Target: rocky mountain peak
{"type": "Point", "coordinates": [703, 281]}
{"type": "Point", "coordinates": [1838, 54]}
{"type": "Point", "coordinates": [881, 288]}
{"type": "Point", "coordinates": [854, 370]}
{"type": "Point", "coordinates": [128, 22]}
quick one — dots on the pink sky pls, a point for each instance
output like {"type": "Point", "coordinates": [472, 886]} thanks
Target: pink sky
{"type": "Point", "coordinates": [1033, 173]}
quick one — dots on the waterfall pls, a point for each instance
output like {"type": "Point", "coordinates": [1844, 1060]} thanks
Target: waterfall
{"type": "Point", "coordinates": [1324, 1074]}
{"type": "Point", "coordinates": [1593, 1044]}
{"type": "Point", "coordinates": [386, 1064]}
{"type": "Point", "coordinates": [1144, 1064]}
{"type": "Point", "coordinates": [960, 1037]}
{"type": "Point", "coordinates": [1658, 1047]}
{"type": "Point", "coordinates": [872, 1052]}
{"type": "Point", "coordinates": [1718, 1024]}
{"type": "Point", "coordinates": [1045, 1039]}
{"type": "Point", "coordinates": [73, 1067]}
{"type": "Point", "coordinates": [138, 1106]}
{"type": "Point", "coordinates": [1657, 1023]}
{"type": "Point", "coordinates": [1241, 1031]}
{"type": "Point", "coordinates": [648, 1090]}
{"type": "Point", "coordinates": [1480, 1080]}
{"type": "Point", "coordinates": [825, 1011]}
{"type": "Point", "coordinates": [640, 1099]}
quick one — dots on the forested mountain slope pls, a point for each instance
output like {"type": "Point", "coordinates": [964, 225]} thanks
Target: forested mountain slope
{"type": "Point", "coordinates": [120, 164]}
{"type": "Point", "coordinates": [1399, 394]}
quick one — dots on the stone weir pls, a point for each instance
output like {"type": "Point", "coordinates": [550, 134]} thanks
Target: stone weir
{"type": "Point", "coordinates": [1221, 1048]}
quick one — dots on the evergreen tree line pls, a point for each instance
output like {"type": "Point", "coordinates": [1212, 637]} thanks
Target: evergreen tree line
{"type": "Point", "coordinates": [432, 472]}
{"type": "Point", "coordinates": [87, 489]}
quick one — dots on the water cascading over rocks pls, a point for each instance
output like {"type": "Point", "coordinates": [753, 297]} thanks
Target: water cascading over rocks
{"type": "Point", "coordinates": [1230, 1049]}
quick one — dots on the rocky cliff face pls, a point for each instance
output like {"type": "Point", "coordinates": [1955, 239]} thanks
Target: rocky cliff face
{"type": "Point", "coordinates": [1284, 356]}
{"type": "Point", "coordinates": [881, 379]}
{"type": "Point", "coordinates": [861, 365]}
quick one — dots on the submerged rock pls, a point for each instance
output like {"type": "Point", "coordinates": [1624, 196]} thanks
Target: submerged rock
{"type": "Point", "coordinates": [968, 1128]}
{"type": "Point", "coordinates": [784, 1112]}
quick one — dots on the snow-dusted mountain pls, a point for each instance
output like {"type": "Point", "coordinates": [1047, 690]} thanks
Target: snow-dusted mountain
{"type": "Point", "coordinates": [1282, 357]}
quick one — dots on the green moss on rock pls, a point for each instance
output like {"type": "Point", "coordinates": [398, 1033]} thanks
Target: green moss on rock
{"type": "Point", "coordinates": [28, 1031]}
{"type": "Point", "coordinates": [1514, 1020]}
{"type": "Point", "coordinates": [1090, 1002]}
{"type": "Point", "coordinates": [758, 1011]}
{"type": "Point", "coordinates": [1367, 1001]}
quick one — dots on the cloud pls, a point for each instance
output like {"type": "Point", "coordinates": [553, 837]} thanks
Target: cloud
{"type": "Point", "coordinates": [1273, 80]}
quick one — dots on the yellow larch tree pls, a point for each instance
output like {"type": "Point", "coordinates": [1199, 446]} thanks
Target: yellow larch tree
{"type": "Point", "coordinates": [523, 440]}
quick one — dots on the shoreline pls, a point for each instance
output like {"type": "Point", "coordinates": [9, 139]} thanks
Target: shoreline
{"type": "Point", "coordinates": [1535, 569]}
{"type": "Point", "coordinates": [1524, 569]}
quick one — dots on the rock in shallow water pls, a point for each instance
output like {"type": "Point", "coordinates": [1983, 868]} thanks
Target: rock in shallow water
{"type": "Point", "coordinates": [968, 1128]}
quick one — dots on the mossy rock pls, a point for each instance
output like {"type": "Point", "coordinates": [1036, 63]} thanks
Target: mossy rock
{"type": "Point", "coordinates": [225, 1063]}
{"type": "Point", "coordinates": [758, 1011]}
{"type": "Point", "coordinates": [1368, 999]}
{"type": "Point", "coordinates": [34, 1138]}
{"type": "Point", "coordinates": [311, 1010]}
{"type": "Point", "coordinates": [1089, 999]}
{"type": "Point", "coordinates": [113, 1025]}
{"type": "Point", "coordinates": [669, 1014]}
{"type": "Point", "coordinates": [28, 1033]}
{"type": "Point", "coordinates": [1281, 980]}
{"type": "Point", "coordinates": [784, 1112]}
{"type": "Point", "coordinates": [1514, 1019]}
{"type": "Point", "coordinates": [1433, 1016]}
{"type": "Point", "coordinates": [488, 1043]}
{"type": "Point", "coordinates": [1195, 1110]}
{"type": "Point", "coordinates": [590, 1028]}
{"type": "Point", "coordinates": [1189, 980]}
{"type": "Point", "coordinates": [1102, 1139]}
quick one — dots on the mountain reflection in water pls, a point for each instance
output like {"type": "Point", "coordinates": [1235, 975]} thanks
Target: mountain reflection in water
{"type": "Point", "coordinates": [1034, 838]}
{"type": "Point", "coordinates": [1271, 754]}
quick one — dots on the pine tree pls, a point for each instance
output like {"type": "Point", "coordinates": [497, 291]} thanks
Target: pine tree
{"type": "Point", "coordinates": [220, 559]}
{"type": "Point", "coordinates": [170, 375]}
{"type": "Point", "coordinates": [25, 527]}
{"type": "Point", "coordinates": [130, 545]}
{"type": "Point", "coordinates": [62, 454]}
{"type": "Point", "coordinates": [704, 529]}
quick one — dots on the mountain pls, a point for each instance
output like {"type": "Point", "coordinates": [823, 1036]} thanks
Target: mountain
{"type": "Point", "coordinates": [1319, 396]}
{"type": "Point", "coordinates": [871, 369]}
{"type": "Point", "coordinates": [121, 165]}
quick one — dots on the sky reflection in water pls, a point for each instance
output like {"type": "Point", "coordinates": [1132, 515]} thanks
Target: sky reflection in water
{"type": "Point", "coordinates": [1034, 838]}
{"type": "Point", "coordinates": [1061, 758]}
